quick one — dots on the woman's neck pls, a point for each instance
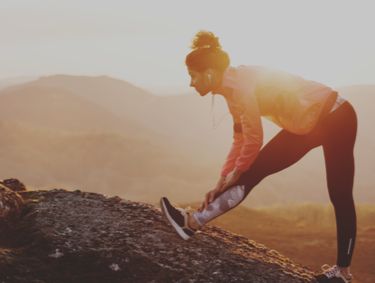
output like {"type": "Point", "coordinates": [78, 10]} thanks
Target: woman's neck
{"type": "Point", "coordinates": [220, 86]}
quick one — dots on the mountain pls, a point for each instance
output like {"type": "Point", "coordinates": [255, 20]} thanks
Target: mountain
{"type": "Point", "coordinates": [82, 103]}
{"type": "Point", "coordinates": [60, 137]}
{"type": "Point", "coordinates": [184, 122]}
{"type": "Point", "coordinates": [76, 236]}
{"type": "Point", "coordinates": [58, 109]}
{"type": "Point", "coordinates": [106, 162]}
{"type": "Point", "coordinates": [7, 82]}
{"type": "Point", "coordinates": [118, 96]}
{"type": "Point", "coordinates": [168, 116]}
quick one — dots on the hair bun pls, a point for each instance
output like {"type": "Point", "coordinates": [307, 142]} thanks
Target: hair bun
{"type": "Point", "coordinates": [205, 39]}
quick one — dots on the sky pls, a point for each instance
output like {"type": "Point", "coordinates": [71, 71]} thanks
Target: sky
{"type": "Point", "coordinates": [145, 42]}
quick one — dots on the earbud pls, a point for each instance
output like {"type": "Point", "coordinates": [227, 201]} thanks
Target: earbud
{"type": "Point", "coordinates": [209, 77]}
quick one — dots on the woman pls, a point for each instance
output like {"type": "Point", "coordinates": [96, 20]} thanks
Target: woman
{"type": "Point", "coordinates": [310, 115]}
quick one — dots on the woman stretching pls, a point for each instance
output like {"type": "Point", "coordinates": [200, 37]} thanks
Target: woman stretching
{"type": "Point", "coordinates": [310, 115]}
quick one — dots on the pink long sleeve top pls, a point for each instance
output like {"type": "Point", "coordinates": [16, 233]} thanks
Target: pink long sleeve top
{"type": "Point", "coordinates": [291, 102]}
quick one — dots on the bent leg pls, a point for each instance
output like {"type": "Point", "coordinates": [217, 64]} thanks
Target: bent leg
{"type": "Point", "coordinates": [281, 152]}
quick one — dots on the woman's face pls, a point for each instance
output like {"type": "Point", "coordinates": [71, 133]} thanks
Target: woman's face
{"type": "Point", "coordinates": [201, 81]}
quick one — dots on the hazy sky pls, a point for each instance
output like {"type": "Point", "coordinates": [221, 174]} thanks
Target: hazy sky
{"type": "Point", "coordinates": [145, 42]}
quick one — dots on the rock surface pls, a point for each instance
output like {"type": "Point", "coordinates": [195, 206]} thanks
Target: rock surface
{"type": "Point", "coordinates": [13, 184]}
{"type": "Point", "coordinates": [11, 204]}
{"type": "Point", "coordinates": [74, 236]}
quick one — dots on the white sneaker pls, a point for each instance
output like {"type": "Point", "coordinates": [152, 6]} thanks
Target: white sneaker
{"type": "Point", "coordinates": [333, 274]}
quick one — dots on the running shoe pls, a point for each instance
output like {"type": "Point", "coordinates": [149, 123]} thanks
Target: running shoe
{"type": "Point", "coordinates": [332, 274]}
{"type": "Point", "coordinates": [178, 218]}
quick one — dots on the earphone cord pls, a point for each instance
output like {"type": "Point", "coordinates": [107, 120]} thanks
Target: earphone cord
{"type": "Point", "coordinates": [214, 125]}
{"type": "Point", "coordinates": [212, 112]}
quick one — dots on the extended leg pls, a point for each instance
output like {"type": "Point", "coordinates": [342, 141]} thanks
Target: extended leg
{"type": "Point", "coordinates": [281, 152]}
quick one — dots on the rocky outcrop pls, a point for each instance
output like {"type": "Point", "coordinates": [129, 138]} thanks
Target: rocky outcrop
{"type": "Point", "coordinates": [13, 184]}
{"type": "Point", "coordinates": [75, 236]}
{"type": "Point", "coordinates": [10, 205]}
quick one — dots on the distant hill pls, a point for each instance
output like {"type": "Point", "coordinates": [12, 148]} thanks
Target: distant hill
{"type": "Point", "coordinates": [7, 82]}
{"type": "Point", "coordinates": [101, 99]}
{"type": "Point", "coordinates": [106, 162]}
{"type": "Point", "coordinates": [58, 109]}
{"type": "Point", "coordinates": [168, 116]}
{"type": "Point", "coordinates": [118, 96]}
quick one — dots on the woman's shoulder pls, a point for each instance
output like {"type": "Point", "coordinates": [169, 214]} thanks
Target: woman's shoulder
{"type": "Point", "coordinates": [242, 77]}
{"type": "Point", "coordinates": [249, 67]}
{"type": "Point", "coordinates": [248, 73]}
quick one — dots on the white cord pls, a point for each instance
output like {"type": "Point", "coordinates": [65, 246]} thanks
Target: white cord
{"type": "Point", "coordinates": [214, 125]}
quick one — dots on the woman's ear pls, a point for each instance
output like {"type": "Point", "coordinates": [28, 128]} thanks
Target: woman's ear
{"type": "Point", "coordinates": [210, 73]}
{"type": "Point", "coordinates": [209, 78]}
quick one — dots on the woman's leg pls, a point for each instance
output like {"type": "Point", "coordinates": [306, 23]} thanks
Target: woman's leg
{"type": "Point", "coordinates": [338, 153]}
{"type": "Point", "coordinates": [281, 152]}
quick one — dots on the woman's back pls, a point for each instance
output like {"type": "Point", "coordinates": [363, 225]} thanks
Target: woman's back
{"type": "Point", "coordinates": [290, 101]}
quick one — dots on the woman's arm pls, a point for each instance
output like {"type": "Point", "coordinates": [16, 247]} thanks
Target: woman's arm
{"type": "Point", "coordinates": [249, 133]}
{"type": "Point", "coordinates": [234, 151]}
{"type": "Point", "coordinates": [252, 131]}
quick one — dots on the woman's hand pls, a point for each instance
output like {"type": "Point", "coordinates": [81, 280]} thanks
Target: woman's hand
{"type": "Point", "coordinates": [211, 195]}
{"type": "Point", "coordinates": [231, 178]}
{"type": "Point", "coordinates": [223, 184]}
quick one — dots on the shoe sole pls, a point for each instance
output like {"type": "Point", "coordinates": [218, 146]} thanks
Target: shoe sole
{"type": "Point", "coordinates": [177, 227]}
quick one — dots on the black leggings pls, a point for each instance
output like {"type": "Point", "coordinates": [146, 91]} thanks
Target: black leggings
{"type": "Point", "coordinates": [336, 132]}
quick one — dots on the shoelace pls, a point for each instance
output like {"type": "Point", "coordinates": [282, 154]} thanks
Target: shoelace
{"type": "Point", "coordinates": [186, 212]}
{"type": "Point", "coordinates": [334, 271]}
{"type": "Point", "coordinates": [181, 210]}
{"type": "Point", "coordinates": [189, 209]}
